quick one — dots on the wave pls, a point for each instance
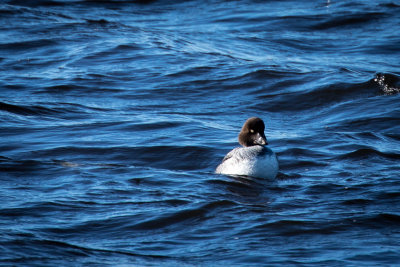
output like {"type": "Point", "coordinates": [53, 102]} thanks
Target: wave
{"type": "Point", "coordinates": [28, 110]}
{"type": "Point", "coordinates": [365, 153]}
{"type": "Point", "coordinates": [326, 95]}
{"type": "Point", "coordinates": [59, 111]}
{"type": "Point", "coordinates": [191, 215]}
{"type": "Point", "coordinates": [350, 20]}
{"type": "Point", "coordinates": [48, 252]}
{"type": "Point", "coordinates": [129, 225]}
{"type": "Point", "coordinates": [293, 227]}
{"type": "Point", "coordinates": [28, 45]}
{"type": "Point", "coordinates": [164, 157]}
{"type": "Point", "coordinates": [9, 166]}
{"type": "Point", "coordinates": [58, 3]}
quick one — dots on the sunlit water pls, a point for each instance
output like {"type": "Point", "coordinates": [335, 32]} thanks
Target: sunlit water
{"type": "Point", "coordinates": [115, 114]}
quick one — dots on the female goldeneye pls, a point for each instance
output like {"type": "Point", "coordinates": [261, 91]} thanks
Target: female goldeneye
{"type": "Point", "coordinates": [253, 159]}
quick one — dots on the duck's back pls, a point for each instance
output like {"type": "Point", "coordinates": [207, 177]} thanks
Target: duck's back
{"type": "Point", "coordinates": [254, 161]}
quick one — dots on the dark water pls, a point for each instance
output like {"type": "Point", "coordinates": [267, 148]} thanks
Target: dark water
{"type": "Point", "coordinates": [114, 115]}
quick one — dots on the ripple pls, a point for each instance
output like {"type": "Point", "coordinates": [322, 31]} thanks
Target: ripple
{"type": "Point", "coordinates": [351, 20]}
{"type": "Point", "coordinates": [367, 153]}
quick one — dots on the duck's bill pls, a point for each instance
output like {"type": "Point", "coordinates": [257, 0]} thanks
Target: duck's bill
{"type": "Point", "coordinates": [261, 140]}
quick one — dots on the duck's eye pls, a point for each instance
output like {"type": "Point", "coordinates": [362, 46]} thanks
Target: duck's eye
{"type": "Point", "coordinates": [251, 131]}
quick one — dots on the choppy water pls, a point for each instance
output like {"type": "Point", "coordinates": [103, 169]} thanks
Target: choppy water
{"type": "Point", "coordinates": [114, 115]}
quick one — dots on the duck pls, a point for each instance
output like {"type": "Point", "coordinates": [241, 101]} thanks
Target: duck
{"type": "Point", "coordinates": [254, 158]}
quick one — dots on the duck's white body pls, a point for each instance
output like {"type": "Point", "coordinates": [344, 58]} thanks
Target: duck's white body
{"type": "Point", "coordinates": [254, 161]}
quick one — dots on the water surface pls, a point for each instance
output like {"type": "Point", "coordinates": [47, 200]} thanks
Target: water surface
{"type": "Point", "coordinates": [115, 114]}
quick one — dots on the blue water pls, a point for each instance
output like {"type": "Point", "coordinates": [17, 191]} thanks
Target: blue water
{"type": "Point", "coordinates": [115, 114]}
